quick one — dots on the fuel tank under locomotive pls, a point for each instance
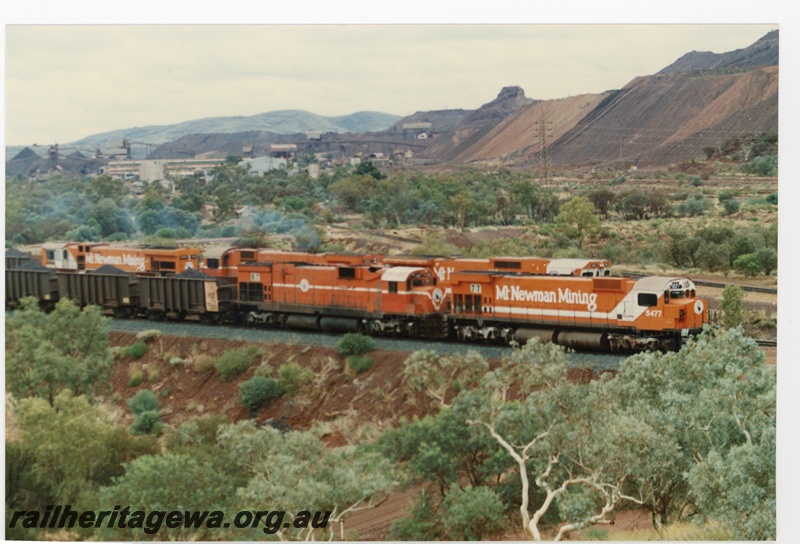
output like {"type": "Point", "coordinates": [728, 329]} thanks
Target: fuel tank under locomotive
{"type": "Point", "coordinates": [328, 324]}
{"type": "Point", "coordinates": [577, 340]}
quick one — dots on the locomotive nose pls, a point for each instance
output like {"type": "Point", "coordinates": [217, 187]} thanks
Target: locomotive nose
{"type": "Point", "coordinates": [694, 314]}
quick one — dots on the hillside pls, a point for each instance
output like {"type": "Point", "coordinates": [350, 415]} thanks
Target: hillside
{"type": "Point", "coordinates": [516, 138]}
{"type": "Point", "coordinates": [661, 119]}
{"type": "Point", "coordinates": [700, 101]}
{"type": "Point", "coordinates": [279, 122]}
{"type": "Point", "coordinates": [764, 52]}
{"type": "Point", "coordinates": [697, 103]}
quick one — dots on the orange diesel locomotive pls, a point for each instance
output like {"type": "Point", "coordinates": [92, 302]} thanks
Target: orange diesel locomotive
{"type": "Point", "coordinates": [603, 313]}
{"type": "Point", "coordinates": [368, 298]}
{"type": "Point", "coordinates": [85, 256]}
{"type": "Point", "coordinates": [571, 302]}
{"type": "Point", "coordinates": [224, 262]}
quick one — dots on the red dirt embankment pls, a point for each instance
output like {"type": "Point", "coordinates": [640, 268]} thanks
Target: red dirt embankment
{"type": "Point", "coordinates": [377, 398]}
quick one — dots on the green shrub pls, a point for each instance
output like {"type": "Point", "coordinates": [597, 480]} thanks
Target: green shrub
{"type": "Point", "coordinates": [748, 264]}
{"type": "Point", "coordinates": [147, 423]}
{"type": "Point", "coordinates": [772, 199]}
{"type": "Point", "coordinates": [257, 392]}
{"type": "Point", "coordinates": [731, 206]}
{"type": "Point", "coordinates": [733, 306]}
{"type": "Point", "coordinates": [359, 363]}
{"type": "Point", "coordinates": [137, 350]}
{"type": "Point", "coordinates": [763, 166]}
{"type": "Point", "coordinates": [143, 401]}
{"type": "Point", "coordinates": [694, 205]}
{"type": "Point", "coordinates": [293, 377]}
{"type": "Point", "coordinates": [613, 253]}
{"type": "Point", "coordinates": [354, 344]}
{"type": "Point", "coordinates": [236, 361]}
{"type": "Point", "coordinates": [135, 375]}
{"type": "Point", "coordinates": [166, 233]}
{"type": "Point", "coordinates": [473, 513]}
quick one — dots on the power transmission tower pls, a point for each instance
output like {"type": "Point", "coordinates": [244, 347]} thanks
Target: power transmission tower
{"type": "Point", "coordinates": [545, 133]}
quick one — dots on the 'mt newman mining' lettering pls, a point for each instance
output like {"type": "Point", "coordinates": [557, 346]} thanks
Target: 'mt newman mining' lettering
{"type": "Point", "coordinates": [124, 259]}
{"type": "Point", "coordinates": [516, 293]}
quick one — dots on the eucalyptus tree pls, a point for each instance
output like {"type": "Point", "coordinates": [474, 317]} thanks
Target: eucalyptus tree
{"type": "Point", "coordinates": [66, 349]}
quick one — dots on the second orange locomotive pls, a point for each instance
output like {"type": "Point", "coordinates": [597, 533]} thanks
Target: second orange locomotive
{"type": "Point", "coordinates": [86, 256]}
{"type": "Point", "coordinates": [370, 298]}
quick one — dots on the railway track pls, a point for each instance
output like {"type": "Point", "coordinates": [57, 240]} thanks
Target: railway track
{"type": "Point", "coordinates": [751, 288]}
{"type": "Point", "coordinates": [767, 343]}
{"type": "Point", "coordinates": [590, 360]}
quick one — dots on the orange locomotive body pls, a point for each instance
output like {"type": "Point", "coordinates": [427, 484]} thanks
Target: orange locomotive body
{"type": "Point", "coordinates": [360, 297]}
{"type": "Point", "coordinates": [85, 256]}
{"type": "Point", "coordinates": [225, 261]}
{"type": "Point", "coordinates": [572, 302]}
{"type": "Point", "coordinates": [608, 313]}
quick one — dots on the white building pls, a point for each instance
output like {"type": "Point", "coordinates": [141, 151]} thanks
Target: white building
{"type": "Point", "coordinates": [149, 170]}
{"type": "Point", "coordinates": [261, 165]}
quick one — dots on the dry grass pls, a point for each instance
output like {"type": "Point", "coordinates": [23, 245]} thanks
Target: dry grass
{"type": "Point", "coordinates": [676, 532]}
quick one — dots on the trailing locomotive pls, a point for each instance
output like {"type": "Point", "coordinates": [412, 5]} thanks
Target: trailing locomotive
{"type": "Point", "coordinates": [368, 298]}
{"type": "Point", "coordinates": [572, 302]}
{"type": "Point", "coordinates": [84, 256]}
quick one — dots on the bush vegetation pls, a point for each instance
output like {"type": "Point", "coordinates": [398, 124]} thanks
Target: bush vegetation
{"type": "Point", "coordinates": [147, 423]}
{"type": "Point", "coordinates": [359, 363]}
{"type": "Point", "coordinates": [135, 375]}
{"type": "Point", "coordinates": [293, 377]}
{"type": "Point", "coordinates": [257, 392]}
{"type": "Point", "coordinates": [144, 406]}
{"type": "Point", "coordinates": [136, 350]}
{"type": "Point", "coordinates": [143, 401]}
{"type": "Point", "coordinates": [354, 344]}
{"type": "Point", "coordinates": [236, 361]}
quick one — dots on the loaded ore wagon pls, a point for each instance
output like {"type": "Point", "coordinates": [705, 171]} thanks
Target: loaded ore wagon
{"type": "Point", "coordinates": [114, 290]}
{"type": "Point", "coordinates": [190, 293]}
{"type": "Point", "coordinates": [31, 279]}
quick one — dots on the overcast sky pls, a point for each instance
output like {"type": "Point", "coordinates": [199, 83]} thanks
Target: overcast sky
{"type": "Point", "coordinates": [68, 81]}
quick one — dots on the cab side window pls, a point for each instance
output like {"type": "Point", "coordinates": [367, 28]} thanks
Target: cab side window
{"type": "Point", "coordinates": [648, 299]}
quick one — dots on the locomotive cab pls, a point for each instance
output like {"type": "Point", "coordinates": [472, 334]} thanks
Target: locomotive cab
{"type": "Point", "coordinates": [682, 305]}
{"type": "Point", "coordinates": [410, 290]}
{"type": "Point", "coordinates": [60, 256]}
{"type": "Point", "coordinates": [668, 308]}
